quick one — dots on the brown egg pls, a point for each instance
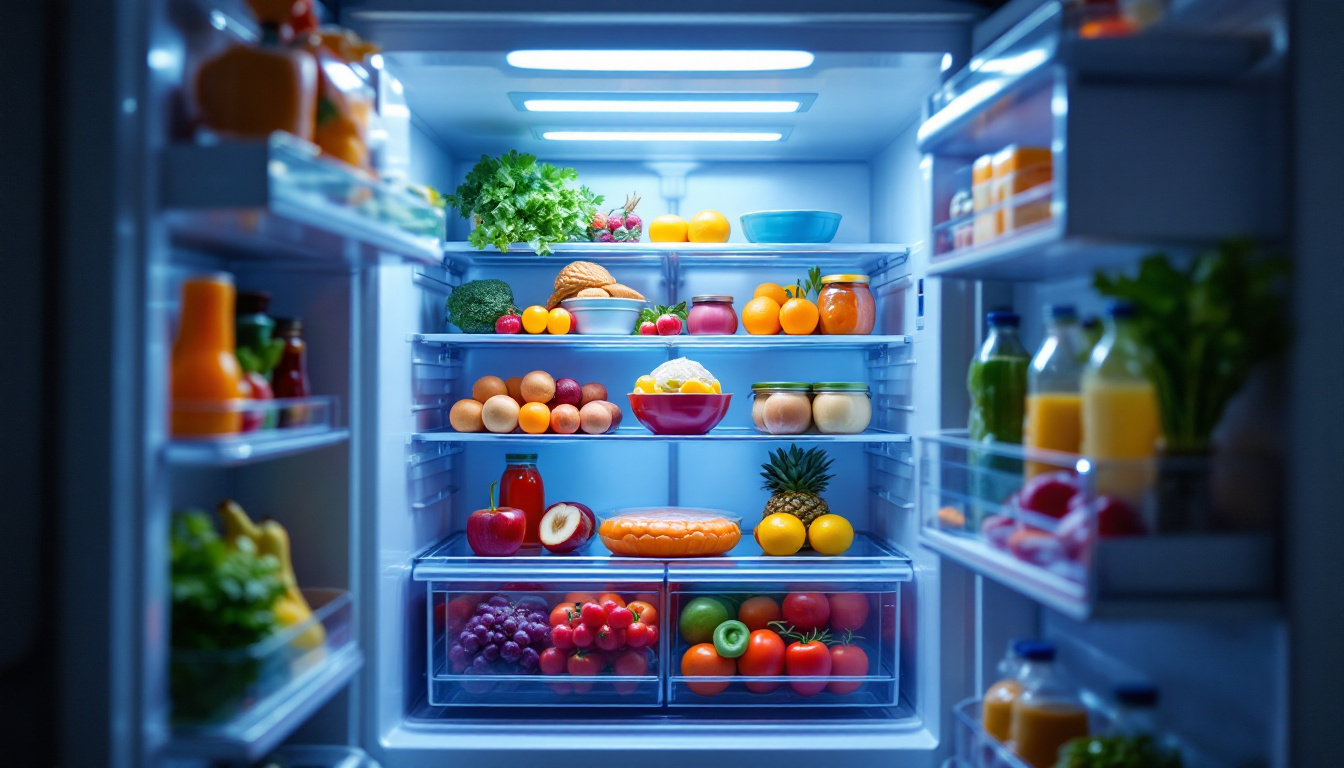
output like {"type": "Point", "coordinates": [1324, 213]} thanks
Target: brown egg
{"type": "Point", "coordinates": [487, 387]}
{"type": "Point", "coordinates": [538, 387]}
{"type": "Point", "coordinates": [466, 416]}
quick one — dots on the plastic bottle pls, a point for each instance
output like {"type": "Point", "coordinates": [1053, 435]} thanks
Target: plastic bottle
{"type": "Point", "coordinates": [1121, 424]}
{"type": "Point", "coordinates": [206, 380]}
{"type": "Point", "coordinates": [996, 711]}
{"type": "Point", "coordinates": [1048, 713]}
{"type": "Point", "coordinates": [997, 382]}
{"type": "Point", "coordinates": [1054, 380]}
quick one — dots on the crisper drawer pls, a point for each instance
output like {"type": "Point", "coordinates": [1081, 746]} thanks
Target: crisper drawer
{"type": "Point", "coordinates": [850, 658]}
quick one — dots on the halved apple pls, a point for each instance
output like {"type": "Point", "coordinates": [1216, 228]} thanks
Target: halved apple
{"type": "Point", "coordinates": [567, 526]}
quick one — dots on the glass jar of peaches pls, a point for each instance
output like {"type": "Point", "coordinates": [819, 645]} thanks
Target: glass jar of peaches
{"type": "Point", "coordinates": [846, 305]}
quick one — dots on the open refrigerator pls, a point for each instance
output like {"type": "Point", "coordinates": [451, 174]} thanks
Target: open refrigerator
{"type": "Point", "coordinates": [1161, 140]}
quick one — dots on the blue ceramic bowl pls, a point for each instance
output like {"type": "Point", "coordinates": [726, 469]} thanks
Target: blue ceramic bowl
{"type": "Point", "coordinates": [790, 226]}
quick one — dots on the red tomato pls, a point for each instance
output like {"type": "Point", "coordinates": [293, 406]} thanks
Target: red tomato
{"type": "Point", "coordinates": [810, 659]}
{"type": "Point", "coordinates": [850, 661]}
{"type": "Point", "coordinates": [758, 612]}
{"type": "Point", "coordinates": [630, 664]}
{"type": "Point", "coordinates": [764, 658]}
{"type": "Point", "coordinates": [613, 597]}
{"type": "Point", "coordinates": [582, 665]}
{"type": "Point", "coordinates": [849, 612]}
{"type": "Point", "coordinates": [593, 616]}
{"type": "Point", "coordinates": [703, 661]}
{"type": "Point", "coordinates": [562, 637]}
{"type": "Point", "coordinates": [637, 635]}
{"type": "Point", "coordinates": [580, 598]}
{"type": "Point", "coordinates": [584, 636]}
{"type": "Point", "coordinates": [806, 611]}
{"type": "Point", "coordinates": [645, 611]}
{"type": "Point", "coordinates": [564, 613]}
{"type": "Point", "coordinates": [610, 638]}
{"type": "Point", "coordinates": [552, 661]}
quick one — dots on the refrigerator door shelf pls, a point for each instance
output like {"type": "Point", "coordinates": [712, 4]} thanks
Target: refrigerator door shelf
{"type": "Point", "coordinates": [281, 428]}
{"type": "Point", "coordinates": [280, 201]}
{"type": "Point", "coordinates": [968, 514]}
{"type": "Point", "coordinates": [323, 757]}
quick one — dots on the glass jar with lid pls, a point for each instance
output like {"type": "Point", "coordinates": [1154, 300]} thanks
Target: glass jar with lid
{"type": "Point", "coordinates": [781, 407]}
{"type": "Point", "coordinates": [841, 407]}
{"type": "Point", "coordinates": [712, 315]}
{"type": "Point", "coordinates": [846, 306]}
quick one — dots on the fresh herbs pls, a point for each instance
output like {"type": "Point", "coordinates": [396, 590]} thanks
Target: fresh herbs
{"type": "Point", "coordinates": [802, 290]}
{"type": "Point", "coordinates": [515, 199]}
{"type": "Point", "coordinates": [1117, 752]}
{"type": "Point", "coordinates": [475, 306]}
{"type": "Point", "coordinates": [1208, 326]}
{"type": "Point", "coordinates": [222, 592]}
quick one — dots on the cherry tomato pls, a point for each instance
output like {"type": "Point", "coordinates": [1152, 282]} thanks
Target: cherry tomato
{"type": "Point", "coordinates": [636, 635]}
{"type": "Point", "coordinates": [810, 659]}
{"type": "Point", "coordinates": [758, 612]}
{"type": "Point", "coordinates": [849, 612]}
{"type": "Point", "coordinates": [609, 639]}
{"type": "Point", "coordinates": [629, 664]}
{"type": "Point", "coordinates": [583, 636]}
{"type": "Point", "coordinates": [620, 618]}
{"type": "Point", "coordinates": [644, 611]}
{"type": "Point", "coordinates": [806, 611]}
{"type": "Point", "coordinates": [552, 661]}
{"type": "Point", "coordinates": [764, 658]}
{"type": "Point", "coordinates": [564, 613]}
{"type": "Point", "coordinates": [562, 637]}
{"type": "Point", "coordinates": [848, 660]}
{"type": "Point", "coordinates": [584, 664]}
{"type": "Point", "coordinates": [580, 598]}
{"type": "Point", "coordinates": [593, 616]}
{"type": "Point", "coordinates": [612, 597]}
{"type": "Point", "coordinates": [653, 636]}
{"type": "Point", "coordinates": [702, 660]}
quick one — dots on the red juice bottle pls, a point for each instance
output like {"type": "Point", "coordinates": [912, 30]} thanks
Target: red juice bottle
{"type": "Point", "coordinates": [521, 487]}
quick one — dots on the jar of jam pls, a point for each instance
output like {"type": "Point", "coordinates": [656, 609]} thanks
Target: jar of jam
{"type": "Point", "coordinates": [712, 315]}
{"type": "Point", "coordinates": [781, 407]}
{"type": "Point", "coordinates": [846, 305]}
{"type": "Point", "coordinates": [520, 487]}
{"type": "Point", "coordinates": [841, 407]}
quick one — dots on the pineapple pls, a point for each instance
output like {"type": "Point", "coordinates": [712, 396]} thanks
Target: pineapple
{"type": "Point", "coordinates": [796, 480]}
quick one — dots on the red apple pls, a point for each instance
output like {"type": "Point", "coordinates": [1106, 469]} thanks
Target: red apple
{"type": "Point", "coordinates": [1114, 518]}
{"type": "Point", "coordinates": [567, 526]}
{"type": "Point", "coordinates": [497, 531]}
{"type": "Point", "coordinates": [1049, 494]}
{"type": "Point", "coordinates": [257, 388]}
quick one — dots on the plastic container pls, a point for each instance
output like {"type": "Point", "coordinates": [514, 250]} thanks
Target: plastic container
{"type": "Point", "coordinates": [670, 532]}
{"type": "Point", "coordinates": [997, 708]}
{"type": "Point", "coordinates": [203, 367]}
{"type": "Point", "coordinates": [841, 407]}
{"type": "Point", "coordinates": [1120, 412]}
{"type": "Point", "coordinates": [846, 306]}
{"type": "Point", "coordinates": [711, 315]}
{"type": "Point", "coordinates": [790, 226]}
{"type": "Point", "coordinates": [1016, 170]}
{"type": "Point", "coordinates": [599, 316]}
{"type": "Point", "coordinates": [781, 407]}
{"type": "Point", "coordinates": [982, 193]}
{"type": "Point", "coordinates": [1054, 403]}
{"type": "Point", "coordinates": [679, 414]}
{"type": "Point", "coordinates": [1048, 714]}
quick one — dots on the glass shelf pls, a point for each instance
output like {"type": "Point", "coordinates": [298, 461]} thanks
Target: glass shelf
{"type": "Point", "coordinates": [872, 257]}
{"type": "Point", "coordinates": [279, 200]}
{"type": "Point", "coordinates": [287, 685]}
{"type": "Point", "coordinates": [632, 342]}
{"type": "Point", "coordinates": [640, 434]}
{"type": "Point", "coordinates": [313, 420]}
{"type": "Point", "coordinates": [868, 559]}
{"type": "Point", "coordinates": [1042, 252]}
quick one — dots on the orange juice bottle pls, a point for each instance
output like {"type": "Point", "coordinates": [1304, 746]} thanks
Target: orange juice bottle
{"type": "Point", "coordinates": [1054, 402]}
{"type": "Point", "coordinates": [996, 711]}
{"type": "Point", "coordinates": [206, 384]}
{"type": "Point", "coordinates": [1048, 714]}
{"type": "Point", "coordinates": [1121, 422]}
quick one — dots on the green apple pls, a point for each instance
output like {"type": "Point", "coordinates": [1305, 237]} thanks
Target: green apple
{"type": "Point", "coordinates": [699, 618]}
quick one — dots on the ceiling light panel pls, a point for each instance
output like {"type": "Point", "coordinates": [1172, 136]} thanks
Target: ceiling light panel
{"type": "Point", "coordinates": [660, 61]}
{"type": "Point", "coordinates": [664, 103]}
{"type": "Point", "coordinates": [663, 136]}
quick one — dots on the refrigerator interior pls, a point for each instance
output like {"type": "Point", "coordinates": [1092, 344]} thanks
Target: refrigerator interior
{"type": "Point", "coordinates": [361, 513]}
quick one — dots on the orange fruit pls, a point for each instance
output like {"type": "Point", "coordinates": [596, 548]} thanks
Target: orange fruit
{"type": "Point", "coordinates": [798, 317]}
{"type": "Point", "coordinates": [558, 321]}
{"type": "Point", "coordinates": [535, 319]}
{"type": "Point", "coordinates": [667, 229]}
{"type": "Point", "coordinates": [761, 316]}
{"type": "Point", "coordinates": [774, 291]}
{"type": "Point", "coordinates": [708, 227]}
{"type": "Point", "coordinates": [534, 418]}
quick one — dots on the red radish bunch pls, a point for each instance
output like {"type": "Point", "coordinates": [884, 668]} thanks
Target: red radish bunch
{"type": "Point", "coordinates": [618, 226]}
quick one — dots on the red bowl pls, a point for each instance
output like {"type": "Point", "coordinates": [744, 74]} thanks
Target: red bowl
{"type": "Point", "coordinates": [675, 414]}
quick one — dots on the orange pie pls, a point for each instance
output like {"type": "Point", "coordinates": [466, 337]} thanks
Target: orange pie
{"type": "Point", "coordinates": [670, 532]}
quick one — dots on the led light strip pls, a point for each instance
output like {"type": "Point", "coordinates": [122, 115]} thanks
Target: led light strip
{"type": "Point", "coordinates": [662, 135]}
{"type": "Point", "coordinates": [660, 61]}
{"type": "Point", "coordinates": [660, 106]}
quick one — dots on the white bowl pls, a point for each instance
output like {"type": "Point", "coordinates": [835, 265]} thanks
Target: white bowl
{"type": "Point", "coordinates": [599, 316]}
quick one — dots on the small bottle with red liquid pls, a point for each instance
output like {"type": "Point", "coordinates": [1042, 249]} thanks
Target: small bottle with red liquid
{"type": "Point", "coordinates": [521, 487]}
{"type": "Point", "coordinates": [290, 377]}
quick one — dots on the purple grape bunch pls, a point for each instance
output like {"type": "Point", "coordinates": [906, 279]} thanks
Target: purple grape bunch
{"type": "Point", "coordinates": [502, 637]}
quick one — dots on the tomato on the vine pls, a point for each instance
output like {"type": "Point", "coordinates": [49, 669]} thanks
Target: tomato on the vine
{"type": "Point", "coordinates": [849, 612]}
{"type": "Point", "coordinates": [757, 612]}
{"type": "Point", "coordinates": [806, 611]}
{"type": "Point", "coordinates": [637, 635]}
{"type": "Point", "coordinates": [764, 658]}
{"type": "Point", "coordinates": [701, 660]}
{"type": "Point", "coordinates": [583, 664]}
{"type": "Point", "coordinates": [849, 660]}
{"type": "Point", "coordinates": [645, 612]}
{"type": "Point", "coordinates": [606, 597]}
{"type": "Point", "coordinates": [808, 657]}
{"type": "Point", "coordinates": [564, 613]}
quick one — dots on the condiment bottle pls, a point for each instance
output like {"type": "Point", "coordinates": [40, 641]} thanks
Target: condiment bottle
{"type": "Point", "coordinates": [845, 305]}
{"type": "Point", "coordinates": [1054, 402]}
{"type": "Point", "coordinates": [520, 487]}
{"type": "Point", "coordinates": [1121, 423]}
{"type": "Point", "coordinates": [1048, 713]}
{"type": "Point", "coordinates": [206, 380]}
{"type": "Point", "coordinates": [997, 382]}
{"type": "Point", "coordinates": [290, 377]}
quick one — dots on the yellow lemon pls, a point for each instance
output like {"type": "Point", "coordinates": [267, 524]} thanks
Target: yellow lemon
{"type": "Point", "coordinates": [830, 534]}
{"type": "Point", "coordinates": [708, 227]}
{"type": "Point", "coordinates": [696, 387]}
{"type": "Point", "coordinates": [558, 321]}
{"type": "Point", "coordinates": [773, 291]}
{"type": "Point", "coordinates": [535, 319]}
{"type": "Point", "coordinates": [667, 229]}
{"type": "Point", "coordinates": [781, 534]}
{"type": "Point", "coordinates": [718, 388]}
{"type": "Point", "coordinates": [646, 384]}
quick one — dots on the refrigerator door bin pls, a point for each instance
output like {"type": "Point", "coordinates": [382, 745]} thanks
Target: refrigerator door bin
{"type": "Point", "coordinates": [272, 428]}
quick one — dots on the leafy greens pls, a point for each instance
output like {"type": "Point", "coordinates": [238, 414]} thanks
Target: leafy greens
{"type": "Point", "coordinates": [515, 199]}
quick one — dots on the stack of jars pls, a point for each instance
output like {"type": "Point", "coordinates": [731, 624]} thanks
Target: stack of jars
{"type": "Point", "coordinates": [795, 407]}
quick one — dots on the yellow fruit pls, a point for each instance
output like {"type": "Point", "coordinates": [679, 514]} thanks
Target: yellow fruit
{"type": "Point", "coordinates": [535, 418]}
{"type": "Point", "coordinates": [718, 389]}
{"type": "Point", "coordinates": [772, 290]}
{"type": "Point", "coordinates": [830, 534]}
{"type": "Point", "coordinates": [708, 227]}
{"type": "Point", "coordinates": [647, 385]}
{"type": "Point", "coordinates": [667, 229]}
{"type": "Point", "coordinates": [761, 316]}
{"type": "Point", "coordinates": [798, 317]}
{"type": "Point", "coordinates": [696, 387]}
{"type": "Point", "coordinates": [535, 319]}
{"type": "Point", "coordinates": [558, 321]}
{"type": "Point", "coordinates": [781, 534]}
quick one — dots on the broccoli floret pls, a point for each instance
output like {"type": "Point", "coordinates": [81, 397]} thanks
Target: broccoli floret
{"type": "Point", "coordinates": [475, 306]}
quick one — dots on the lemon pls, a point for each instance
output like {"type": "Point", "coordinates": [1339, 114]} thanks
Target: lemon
{"type": "Point", "coordinates": [781, 534]}
{"type": "Point", "coordinates": [830, 534]}
{"type": "Point", "coordinates": [696, 387]}
{"type": "Point", "coordinates": [646, 384]}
